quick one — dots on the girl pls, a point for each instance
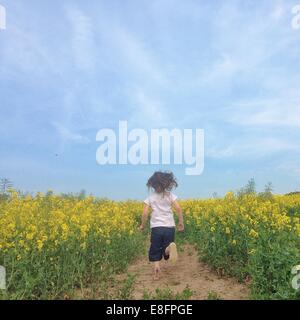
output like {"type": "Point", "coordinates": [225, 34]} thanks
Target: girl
{"type": "Point", "coordinates": [162, 221]}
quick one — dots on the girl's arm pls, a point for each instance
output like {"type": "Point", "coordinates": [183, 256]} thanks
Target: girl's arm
{"type": "Point", "coordinates": [144, 217]}
{"type": "Point", "coordinates": [178, 209]}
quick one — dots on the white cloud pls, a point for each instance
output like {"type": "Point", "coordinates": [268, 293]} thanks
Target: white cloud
{"type": "Point", "coordinates": [138, 54]}
{"type": "Point", "coordinates": [223, 69]}
{"type": "Point", "coordinates": [290, 168]}
{"type": "Point", "coordinates": [254, 148]}
{"type": "Point", "coordinates": [280, 112]}
{"type": "Point", "coordinates": [82, 38]}
{"type": "Point", "coordinates": [146, 110]}
{"type": "Point", "coordinates": [278, 12]}
{"type": "Point", "coordinates": [23, 52]}
{"type": "Point", "coordinates": [69, 136]}
{"type": "Point", "coordinates": [244, 45]}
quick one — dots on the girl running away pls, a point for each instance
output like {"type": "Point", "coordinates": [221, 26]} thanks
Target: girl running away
{"type": "Point", "coordinates": [162, 223]}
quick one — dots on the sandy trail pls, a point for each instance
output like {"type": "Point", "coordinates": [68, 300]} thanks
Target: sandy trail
{"type": "Point", "coordinates": [187, 271]}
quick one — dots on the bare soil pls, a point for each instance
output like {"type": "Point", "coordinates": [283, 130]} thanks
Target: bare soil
{"type": "Point", "coordinates": [187, 271]}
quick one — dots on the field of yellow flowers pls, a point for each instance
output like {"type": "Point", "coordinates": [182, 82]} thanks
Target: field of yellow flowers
{"type": "Point", "coordinates": [52, 245]}
{"type": "Point", "coordinates": [250, 237]}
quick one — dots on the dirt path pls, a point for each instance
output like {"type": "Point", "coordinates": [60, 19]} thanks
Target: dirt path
{"type": "Point", "coordinates": [187, 271]}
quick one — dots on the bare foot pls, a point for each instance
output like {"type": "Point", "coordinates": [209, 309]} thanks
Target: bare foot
{"type": "Point", "coordinates": [171, 251]}
{"type": "Point", "coordinates": [156, 274]}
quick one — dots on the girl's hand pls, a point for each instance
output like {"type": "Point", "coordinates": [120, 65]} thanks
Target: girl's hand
{"type": "Point", "coordinates": [180, 227]}
{"type": "Point", "coordinates": [142, 227]}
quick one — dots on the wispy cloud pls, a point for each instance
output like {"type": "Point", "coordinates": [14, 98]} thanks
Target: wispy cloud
{"type": "Point", "coordinates": [230, 67]}
{"type": "Point", "coordinates": [82, 38]}
{"type": "Point", "coordinates": [246, 42]}
{"type": "Point", "coordinates": [278, 12]}
{"type": "Point", "coordinates": [290, 168]}
{"type": "Point", "coordinates": [146, 110]}
{"type": "Point", "coordinates": [137, 54]}
{"type": "Point", "coordinates": [69, 136]}
{"type": "Point", "coordinates": [255, 148]}
{"type": "Point", "coordinates": [261, 113]}
{"type": "Point", "coordinates": [23, 53]}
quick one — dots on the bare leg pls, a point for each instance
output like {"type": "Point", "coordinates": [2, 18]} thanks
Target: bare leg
{"type": "Point", "coordinates": [156, 270]}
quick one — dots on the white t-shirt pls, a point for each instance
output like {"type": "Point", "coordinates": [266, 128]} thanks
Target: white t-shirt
{"type": "Point", "coordinates": [161, 204]}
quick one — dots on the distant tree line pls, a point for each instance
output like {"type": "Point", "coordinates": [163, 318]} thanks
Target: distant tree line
{"type": "Point", "coordinates": [5, 185]}
{"type": "Point", "coordinates": [250, 188]}
{"type": "Point", "coordinates": [292, 193]}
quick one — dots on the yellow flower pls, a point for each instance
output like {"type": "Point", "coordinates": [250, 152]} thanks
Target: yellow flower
{"type": "Point", "coordinates": [29, 236]}
{"type": "Point", "coordinates": [253, 233]}
{"type": "Point", "coordinates": [40, 245]}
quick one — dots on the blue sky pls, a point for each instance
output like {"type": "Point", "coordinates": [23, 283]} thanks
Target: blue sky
{"type": "Point", "coordinates": [70, 68]}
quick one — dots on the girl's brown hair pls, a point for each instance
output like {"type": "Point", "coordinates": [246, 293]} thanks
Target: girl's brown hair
{"type": "Point", "coordinates": [162, 182]}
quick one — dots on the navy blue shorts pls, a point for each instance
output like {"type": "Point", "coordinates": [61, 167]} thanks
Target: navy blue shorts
{"type": "Point", "coordinates": [161, 237]}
